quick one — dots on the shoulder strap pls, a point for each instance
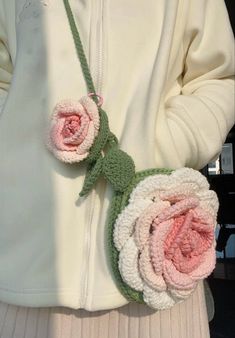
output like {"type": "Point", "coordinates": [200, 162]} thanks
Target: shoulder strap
{"type": "Point", "coordinates": [80, 50]}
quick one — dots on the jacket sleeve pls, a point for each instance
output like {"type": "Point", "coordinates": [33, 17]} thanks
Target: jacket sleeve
{"type": "Point", "coordinates": [5, 61]}
{"type": "Point", "coordinates": [199, 119]}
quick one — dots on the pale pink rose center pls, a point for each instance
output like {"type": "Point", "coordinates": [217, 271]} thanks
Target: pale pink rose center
{"type": "Point", "coordinates": [184, 245]}
{"type": "Point", "coordinates": [71, 126]}
{"type": "Point", "coordinates": [183, 235]}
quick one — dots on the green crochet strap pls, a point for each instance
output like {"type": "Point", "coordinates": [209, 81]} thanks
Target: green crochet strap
{"type": "Point", "coordinates": [80, 50]}
{"type": "Point", "coordinates": [105, 133]}
{"type": "Point", "coordinates": [118, 203]}
{"type": "Point", "coordinates": [112, 166]}
{"type": "Point", "coordinates": [101, 139]}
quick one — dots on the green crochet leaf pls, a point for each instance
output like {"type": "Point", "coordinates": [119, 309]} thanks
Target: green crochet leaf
{"type": "Point", "coordinates": [92, 175]}
{"type": "Point", "coordinates": [118, 203]}
{"type": "Point", "coordinates": [118, 168]}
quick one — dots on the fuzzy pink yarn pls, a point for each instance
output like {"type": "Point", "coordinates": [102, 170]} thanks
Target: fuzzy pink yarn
{"type": "Point", "coordinates": [73, 128]}
{"type": "Point", "coordinates": [165, 236]}
{"type": "Point", "coordinates": [180, 241]}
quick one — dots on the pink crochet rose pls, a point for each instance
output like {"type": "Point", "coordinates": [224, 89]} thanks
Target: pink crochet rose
{"type": "Point", "coordinates": [74, 126]}
{"type": "Point", "coordinates": [165, 236]}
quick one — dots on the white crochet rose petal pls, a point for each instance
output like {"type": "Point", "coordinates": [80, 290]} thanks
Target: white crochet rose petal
{"type": "Point", "coordinates": [128, 265]}
{"type": "Point", "coordinates": [189, 175]}
{"type": "Point", "coordinates": [148, 185]}
{"type": "Point", "coordinates": [157, 300]}
{"type": "Point", "coordinates": [181, 294]}
{"type": "Point", "coordinates": [209, 202]}
{"type": "Point", "coordinates": [149, 276]}
{"type": "Point", "coordinates": [177, 192]}
{"type": "Point", "coordinates": [66, 107]}
{"type": "Point", "coordinates": [124, 224]}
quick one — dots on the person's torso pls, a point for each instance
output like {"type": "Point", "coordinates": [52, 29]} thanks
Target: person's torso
{"type": "Point", "coordinates": [53, 243]}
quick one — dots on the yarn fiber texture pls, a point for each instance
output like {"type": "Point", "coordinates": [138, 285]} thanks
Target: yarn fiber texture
{"type": "Point", "coordinates": [118, 203]}
{"type": "Point", "coordinates": [160, 223]}
{"type": "Point", "coordinates": [161, 235]}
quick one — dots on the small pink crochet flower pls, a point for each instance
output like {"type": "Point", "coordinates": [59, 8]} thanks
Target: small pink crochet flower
{"type": "Point", "coordinates": [74, 126]}
{"type": "Point", "coordinates": [165, 236]}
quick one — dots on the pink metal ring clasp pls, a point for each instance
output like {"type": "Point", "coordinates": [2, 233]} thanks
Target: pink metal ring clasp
{"type": "Point", "coordinates": [100, 102]}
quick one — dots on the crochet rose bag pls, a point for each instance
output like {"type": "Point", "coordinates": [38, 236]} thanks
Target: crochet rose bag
{"type": "Point", "coordinates": [161, 222]}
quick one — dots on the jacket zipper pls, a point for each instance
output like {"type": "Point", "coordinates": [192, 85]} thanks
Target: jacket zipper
{"type": "Point", "coordinates": [86, 252]}
{"type": "Point", "coordinates": [92, 196]}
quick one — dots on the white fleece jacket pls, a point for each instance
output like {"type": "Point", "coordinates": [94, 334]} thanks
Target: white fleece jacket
{"type": "Point", "coordinates": [165, 69]}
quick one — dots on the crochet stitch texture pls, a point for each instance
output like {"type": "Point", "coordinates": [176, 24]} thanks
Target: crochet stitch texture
{"type": "Point", "coordinates": [74, 126]}
{"type": "Point", "coordinates": [160, 224]}
{"type": "Point", "coordinates": [164, 236]}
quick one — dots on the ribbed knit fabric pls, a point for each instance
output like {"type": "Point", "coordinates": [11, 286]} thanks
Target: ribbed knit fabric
{"type": "Point", "coordinates": [184, 320]}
